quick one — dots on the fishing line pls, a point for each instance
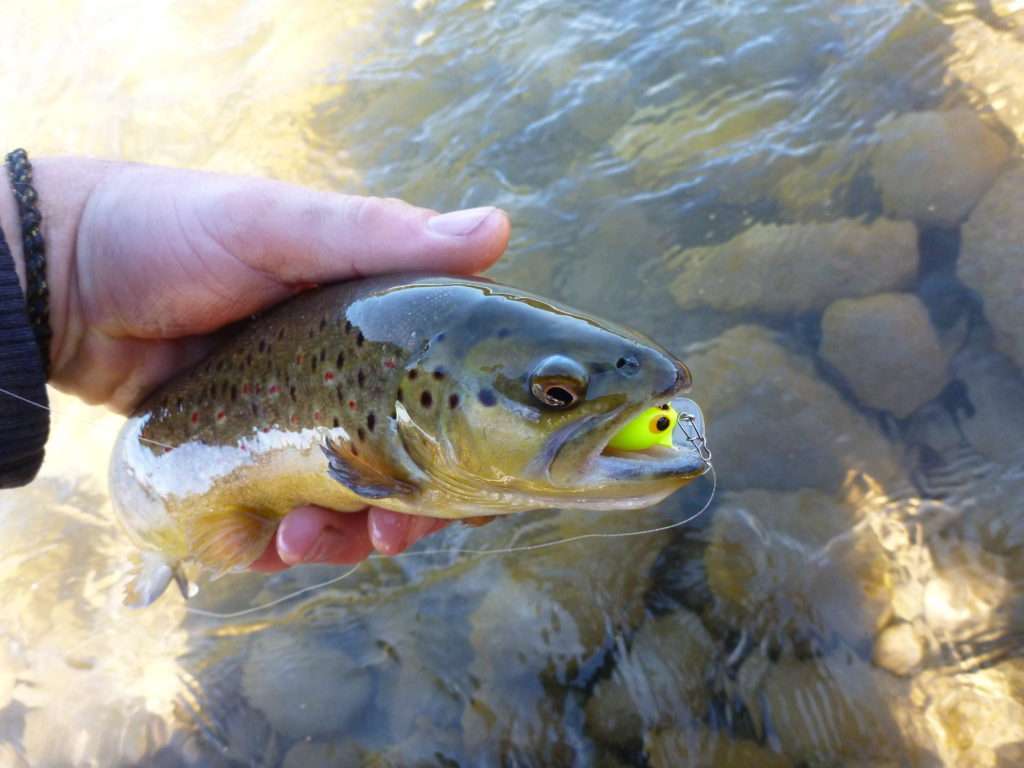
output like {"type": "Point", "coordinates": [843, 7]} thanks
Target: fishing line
{"type": "Point", "coordinates": [691, 431]}
{"type": "Point", "coordinates": [696, 439]}
{"type": "Point", "coordinates": [92, 419]}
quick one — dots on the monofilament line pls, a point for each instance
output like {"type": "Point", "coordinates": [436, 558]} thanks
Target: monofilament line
{"type": "Point", "coordinates": [468, 552]}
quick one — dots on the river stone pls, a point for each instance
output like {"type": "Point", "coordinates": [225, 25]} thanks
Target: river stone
{"type": "Point", "coordinates": [899, 649]}
{"type": "Point", "coordinates": [932, 167]}
{"type": "Point", "coordinates": [995, 391]}
{"type": "Point", "coordinates": [992, 260]}
{"type": "Point", "coordinates": [773, 423]}
{"type": "Point", "coordinates": [304, 687]}
{"type": "Point", "coordinates": [972, 718]}
{"type": "Point", "coordinates": [671, 748]}
{"type": "Point", "coordinates": [797, 564]}
{"type": "Point", "coordinates": [660, 680]}
{"type": "Point", "coordinates": [823, 710]}
{"type": "Point", "coordinates": [887, 350]}
{"type": "Point", "coordinates": [328, 754]}
{"type": "Point", "coordinates": [794, 268]}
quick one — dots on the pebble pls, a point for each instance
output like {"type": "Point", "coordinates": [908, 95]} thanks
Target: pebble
{"type": "Point", "coordinates": [672, 748]}
{"type": "Point", "coordinates": [659, 680]}
{"type": "Point", "coordinates": [972, 718]}
{"type": "Point", "coordinates": [823, 711]}
{"type": "Point", "coordinates": [887, 350]}
{"type": "Point", "coordinates": [992, 260]}
{"type": "Point", "coordinates": [899, 649]}
{"type": "Point", "coordinates": [933, 167]}
{"type": "Point", "coordinates": [304, 687]}
{"type": "Point", "coordinates": [795, 564]}
{"type": "Point", "coordinates": [795, 268]}
{"type": "Point", "coordinates": [774, 424]}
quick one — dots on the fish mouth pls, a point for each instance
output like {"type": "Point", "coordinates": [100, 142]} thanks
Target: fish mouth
{"type": "Point", "coordinates": [689, 456]}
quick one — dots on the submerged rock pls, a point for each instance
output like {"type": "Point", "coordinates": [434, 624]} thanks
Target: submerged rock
{"type": "Point", "coordinates": [796, 565]}
{"type": "Point", "coordinates": [887, 350]}
{"type": "Point", "coordinates": [671, 748]}
{"type": "Point", "coordinates": [992, 260]}
{"type": "Point", "coordinates": [660, 680]}
{"type": "Point", "coordinates": [972, 718]}
{"type": "Point", "coordinates": [773, 423]}
{"type": "Point", "coordinates": [823, 711]}
{"type": "Point", "coordinates": [899, 649]}
{"type": "Point", "coordinates": [932, 167]}
{"type": "Point", "coordinates": [794, 268]}
{"type": "Point", "coordinates": [304, 687]}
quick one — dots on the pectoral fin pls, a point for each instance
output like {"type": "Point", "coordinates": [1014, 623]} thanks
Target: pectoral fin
{"type": "Point", "coordinates": [360, 476]}
{"type": "Point", "coordinates": [152, 574]}
{"type": "Point", "coordinates": [228, 539]}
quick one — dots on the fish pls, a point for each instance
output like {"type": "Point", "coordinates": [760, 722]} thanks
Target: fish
{"type": "Point", "coordinates": [447, 396]}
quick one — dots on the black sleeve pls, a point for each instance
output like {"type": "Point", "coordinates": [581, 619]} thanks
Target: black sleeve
{"type": "Point", "coordinates": [24, 414]}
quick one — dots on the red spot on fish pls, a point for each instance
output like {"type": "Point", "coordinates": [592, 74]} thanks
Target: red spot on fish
{"type": "Point", "coordinates": [316, 415]}
{"type": "Point", "coordinates": [246, 389]}
{"type": "Point", "coordinates": [259, 388]}
{"type": "Point", "coordinates": [298, 359]}
{"type": "Point", "coordinates": [295, 418]}
{"type": "Point", "coordinates": [389, 362]}
{"type": "Point", "coordinates": [195, 417]}
{"type": "Point", "coordinates": [328, 376]}
{"type": "Point", "coordinates": [220, 415]}
{"type": "Point", "coordinates": [273, 389]}
{"type": "Point", "coordinates": [352, 404]}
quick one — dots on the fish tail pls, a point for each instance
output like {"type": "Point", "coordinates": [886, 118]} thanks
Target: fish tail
{"type": "Point", "coordinates": [152, 573]}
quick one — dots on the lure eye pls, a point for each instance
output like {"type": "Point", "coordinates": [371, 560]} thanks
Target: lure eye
{"type": "Point", "coordinates": [558, 382]}
{"type": "Point", "coordinates": [660, 423]}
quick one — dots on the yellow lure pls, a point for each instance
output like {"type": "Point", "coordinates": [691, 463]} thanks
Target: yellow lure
{"type": "Point", "coordinates": [652, 427]}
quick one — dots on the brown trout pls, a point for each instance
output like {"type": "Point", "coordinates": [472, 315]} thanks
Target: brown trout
{"type": "Point", "coordinates": [451, 397]}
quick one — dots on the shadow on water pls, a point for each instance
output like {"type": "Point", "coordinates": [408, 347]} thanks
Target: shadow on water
{"type": "Point", "coordinates": [817, 204]}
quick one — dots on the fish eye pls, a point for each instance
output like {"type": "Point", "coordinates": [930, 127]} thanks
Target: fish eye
{"type": "Point", "coordinates": [628, 365]}
{"type": "Point", "coordinates": [558, 382]}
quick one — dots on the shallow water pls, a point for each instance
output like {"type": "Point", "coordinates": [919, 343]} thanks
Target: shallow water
{"type": "Point", "coordinates": [852, 595]}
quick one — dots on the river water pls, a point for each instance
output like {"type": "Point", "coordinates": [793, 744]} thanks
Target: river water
{"type": "Point", "coordinates": [818, 205]}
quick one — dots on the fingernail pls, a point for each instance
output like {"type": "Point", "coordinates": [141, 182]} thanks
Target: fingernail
{"type": "Point", "coordinates": [459, 223]}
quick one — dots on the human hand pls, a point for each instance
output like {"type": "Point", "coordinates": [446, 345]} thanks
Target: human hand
{"type": "Point", "coordinates": [146, 264]}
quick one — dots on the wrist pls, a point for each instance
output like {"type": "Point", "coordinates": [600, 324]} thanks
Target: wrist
{"type": "Point", "coordinates": [63, 186]}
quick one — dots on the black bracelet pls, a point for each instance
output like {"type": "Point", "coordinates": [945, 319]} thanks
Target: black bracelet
{"type": "Point", "coordinates": [37, 288]}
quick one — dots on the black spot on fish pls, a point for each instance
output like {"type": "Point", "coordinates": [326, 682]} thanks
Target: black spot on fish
{"type": "Point", "coordinates": [312, 333]}
{"type": "Point", "coordinates": [355, 451]}
{"type": "Point", "coordinates": [371, 421]}
{"type": "Point", "coordinates": [348, 326]}
{"type": "Point", "coordinates": [220, 366]}
{"type": "Point", "coordinates": [361, 378]}
{"type": "Point", "coordinates": [255, 408]}
{"type": "Point", "coordinates": [323, 354]}
{"type": "Point", "coordinates": [313, 362]}
{"type": "Point", "coordinates": [248, 359]}
{"type": "Point", "coordinates": [400, 395]}
{"type": "Point", "coordinates": [439, 337]}
{"type": "Point", "coordinates": [337, 422]}
{"type": "Point", "coordinates": [181, 403]}
{"type": "Point", "coordinates": [280, 334]}
{"type": "Point", "coordinates": [360, 339]}
{"type": "Point", "coordinates": [323, 323]}
{"type": "Point", "coordinates": [439, 374]}
{"type": "Point", "coordinates": [487, 397]}
{"type": "Point", "coordinates": [339, 363]}
{"type": "Point", "coordinates": [503, 332]}
{"type": "Point", "coordinates": [453, 401]}
{"type": "Point", "coordinates": [291, 392]}
{"type": "Point", "coordinates": [361, 434]}
{"type": "Point", "coordinates": [341, 395]}
{"type": "Point", "coordinates": [234, 392]}
{"type": "Point", "coordinates": [413, 374]}
{"type": "Point", "coordinates": [262, 346]}
{"type": "Point", "coordinates": [426, 399]}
